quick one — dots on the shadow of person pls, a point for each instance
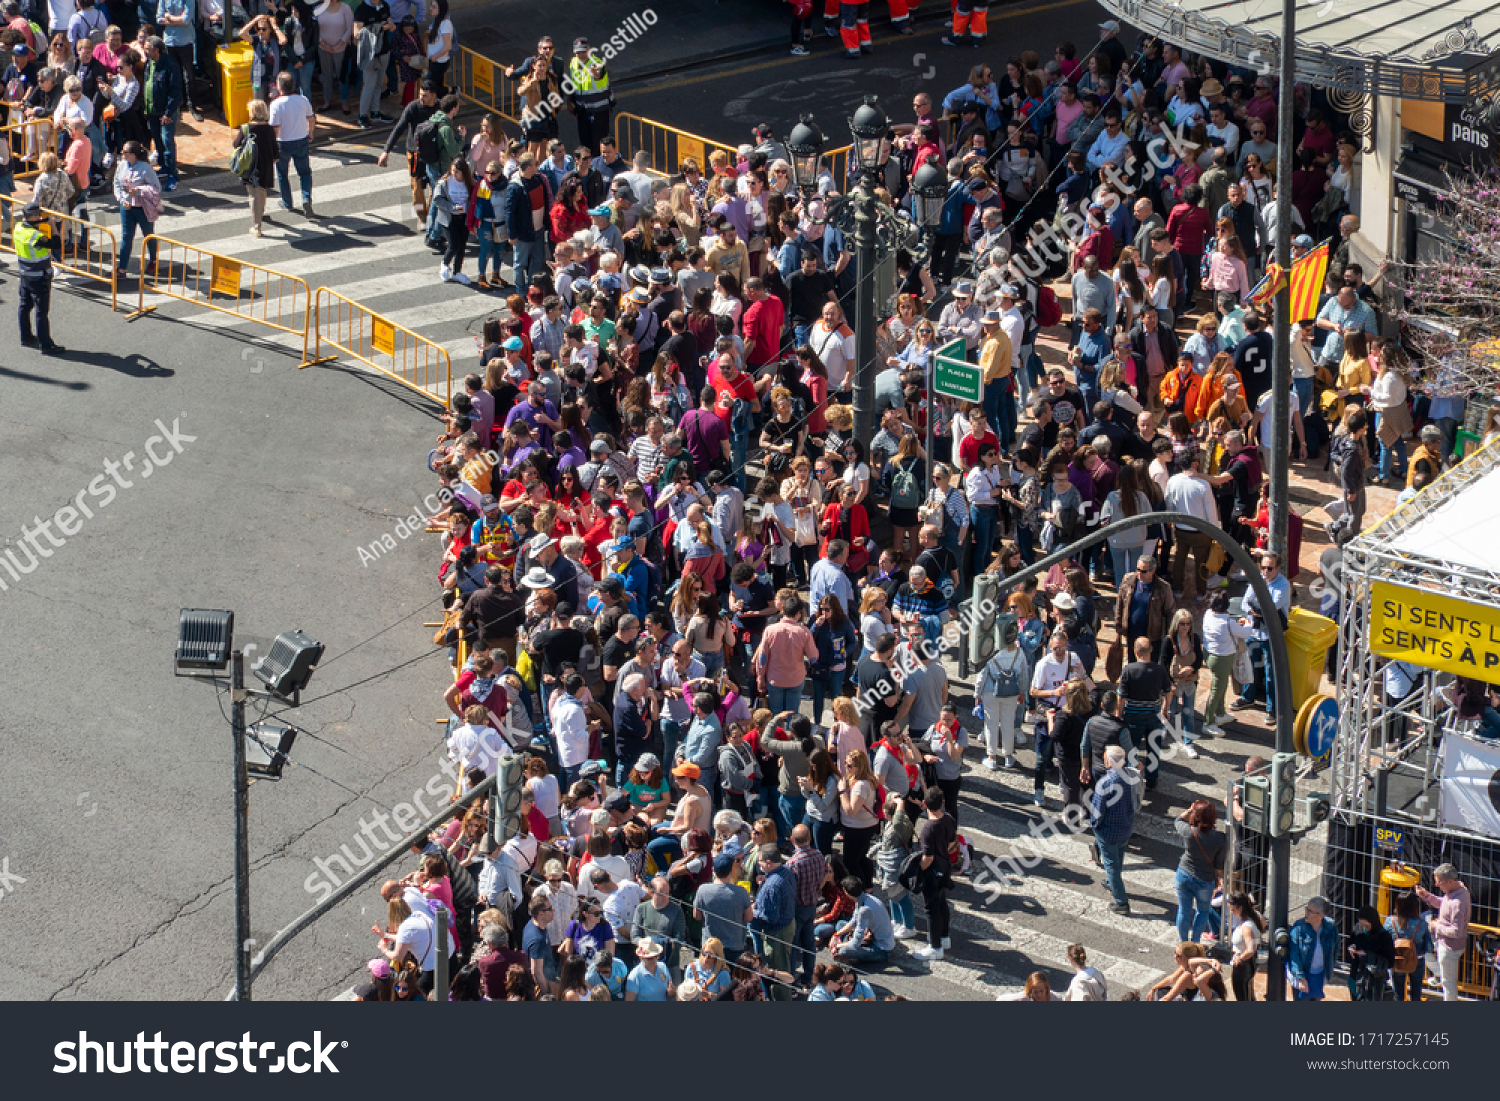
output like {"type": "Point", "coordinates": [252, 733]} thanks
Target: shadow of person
{"type": "Point", "coordinates": [134, 365]}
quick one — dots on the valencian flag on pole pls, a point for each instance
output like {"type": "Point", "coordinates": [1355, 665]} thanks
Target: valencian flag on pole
{"type": "Point", "coordinates": [1307, 283]}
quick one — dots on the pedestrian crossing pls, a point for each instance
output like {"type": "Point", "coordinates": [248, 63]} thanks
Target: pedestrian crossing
{"type": "Point", "coordinates": [362, 242]}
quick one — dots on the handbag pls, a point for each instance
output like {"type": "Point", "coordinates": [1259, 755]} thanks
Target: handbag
{"type": "Point", "coordinates": [417, 63]}
{"type": "Point", "coordinates": [1243, 672]}
{"type": "Point", "coordinates": [1114, 660]}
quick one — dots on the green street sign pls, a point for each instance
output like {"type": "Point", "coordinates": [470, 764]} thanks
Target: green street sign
{"type": "Point", "coordinates": [954, 376]}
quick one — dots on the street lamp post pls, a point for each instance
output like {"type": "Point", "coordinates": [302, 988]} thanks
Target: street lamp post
{"type": "Point", "coordinates": [873, 228]}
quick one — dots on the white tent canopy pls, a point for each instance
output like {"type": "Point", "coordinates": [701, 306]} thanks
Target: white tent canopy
{"type": "Point", "coordinates": [1464, 530]}
{"type": "Point", "coordinates": [1414, 48]}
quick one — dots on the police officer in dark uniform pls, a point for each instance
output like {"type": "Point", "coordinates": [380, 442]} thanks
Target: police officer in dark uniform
{"type": "Point", "coordinates": [35, 244]}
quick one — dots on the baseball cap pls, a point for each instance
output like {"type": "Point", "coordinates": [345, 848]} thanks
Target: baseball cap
{"type": "Point", "coordinates": [617, 801]}
{"type": "Point", "coordinates": [615, 546]}
{"type": "Point", "coordinates": [647, 763]}
{"type": "Point", "coordinates": [723, 865]}
{"type": "Point", "coordinates": [609, 584]}
{"type": "Point", "coordinates": [1110, 25]}
{"type": "Point", "coordinates": [513, 344]}
{"type": "Point", "coordinates": [601, 211]}
{"type": "Point", "coordinates": [688, 769]}
{"type": "Point", "coordinates": [580, 45]}
{"type": "Point", "coordinates": [490, 503]}
{"type": "Point", "coordinates": [1303, 240]}
{"type": "Point", "coordinates": [599, 447]}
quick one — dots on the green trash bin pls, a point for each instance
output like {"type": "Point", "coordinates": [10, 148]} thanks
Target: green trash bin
{"type": "Point", "coordinates": [1308, 637]}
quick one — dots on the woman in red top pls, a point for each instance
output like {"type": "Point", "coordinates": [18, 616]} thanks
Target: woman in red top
{"type": "Point", "coordinates": [479, 686]}
{"type": "Point", "coordinates": [815, 378]}
{"type": "Point", "coordinates": [846, 520]}
{"type": "Point", "coordinates": [570, 213]}
{"type": "Point", "coordinates": [519, 325]}
{"type": "Point", "coordinates": [705, 559]}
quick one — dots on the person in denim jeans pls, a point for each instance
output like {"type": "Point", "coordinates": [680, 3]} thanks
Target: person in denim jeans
{"type": "Point", "coordinates": [293, 119]}
{"type": "Point", "coordinates": [1199, 870]}
{"type": "Point", "coordinates": [163, 90]}
{"type": "Point", "coordinates": [1113, 809]}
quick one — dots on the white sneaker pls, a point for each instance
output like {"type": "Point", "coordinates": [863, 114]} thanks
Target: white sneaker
{"type": "Point", "coordinates": [462, 279]}
{"type": "Point", "coordinates": [255, 231]}
{"type": "Point", "coordinates": [905, 932]}
{"type": "Point", "coordinates": [1189, 752]}
{"type": "Point", "coordinates": [1011, 762]}
{"type": "Point", "coordinates": [152, 157]}
{"type": "Point", "coordinates": [992, 764]}
{"type": "Point", "coordinates": [1213, 728]}
{"type": "Point", "coordinates": [445, 273]}
{"type": "Point", "coordinates": [928, 953]}
{"type": "Point", "coordinates": [947, 942]}
{"type": "Point", "coordinates": [416, 212]}
{"type": "Point", "coordinates": [109, 160]}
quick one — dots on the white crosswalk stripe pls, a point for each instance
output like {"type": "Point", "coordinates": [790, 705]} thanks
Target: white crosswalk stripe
{"type": "Point", "coordinates": [362, 243]}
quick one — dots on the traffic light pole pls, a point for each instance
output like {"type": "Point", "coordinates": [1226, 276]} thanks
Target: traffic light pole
{"type": "Point", "coordinates": [237, 697]}
{"type": "Point", "coordinates": [864, 237]}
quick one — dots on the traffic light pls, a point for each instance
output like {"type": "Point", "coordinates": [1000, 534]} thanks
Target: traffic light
{"type": "Point", "coordinates": [1283, 794]}
{"type": "Point", "coordinates": [1255, 797]}
{"type": "Point", "coordinates": [511, 778]}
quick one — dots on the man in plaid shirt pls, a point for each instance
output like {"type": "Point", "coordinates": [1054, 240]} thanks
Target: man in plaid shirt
{"type": "Point", "coordinates": [809, 869]}
{"type": "Point", "coordinates": [773, 923]}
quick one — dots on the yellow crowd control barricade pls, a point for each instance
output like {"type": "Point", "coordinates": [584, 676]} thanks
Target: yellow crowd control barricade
{"type": "Point", "coordinates": [215, 282]}
{"type": "Point", "coordinates": [28, 140]}
{"type": "Point", "coordinates": [88, 249]}
{"type": "Point", "coordinates": [668, 146]}
{"type": "Point", "coordinates": [345, 326]}
{"type": "Point", "coordinates": [483, 81]}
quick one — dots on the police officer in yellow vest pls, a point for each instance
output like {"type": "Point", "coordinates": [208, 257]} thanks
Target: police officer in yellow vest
{"type": "Point", "coordinates": [35, 243]}
{"type": "Point", "coordinates": [590, 94]}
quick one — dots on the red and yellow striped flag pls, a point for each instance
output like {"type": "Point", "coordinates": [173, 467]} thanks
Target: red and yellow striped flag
{"type": "Point", "coordinates": [1307, 284]}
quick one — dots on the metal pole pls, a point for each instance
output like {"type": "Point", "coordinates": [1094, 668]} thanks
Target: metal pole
{"type": "Point", "coordinates": [237, 697]}
{"type": "Point", "coordinates": [931, 416]}
{"type": "Point", "coordinates": [1278, 886]}
{"type": "Point", "coordinates": [440, 970]}
{"type": "Point", "coordinates": [865, 367]}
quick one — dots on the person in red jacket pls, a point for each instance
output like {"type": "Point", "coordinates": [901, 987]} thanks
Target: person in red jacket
{"type": "Point", "coordinates": [846, 519]}
{"type": "Point", "coordinates": [1189, 225]}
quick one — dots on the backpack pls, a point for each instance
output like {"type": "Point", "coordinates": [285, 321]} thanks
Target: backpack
{"type": "Point", "coordinates": [242, 160]}
{"type": "Point", "coordinates": [1048, 309]}
{"type": "Point", "coordinates": [1406, 956]}
{"type": "Point", "coordinates": [739, 417]}
{"type": "Point", "coordinates": [1007, 681]}
{"type": "Point", "coordinates": [430, 141]}
{"type": "Point", "coordinates": [905, 493]}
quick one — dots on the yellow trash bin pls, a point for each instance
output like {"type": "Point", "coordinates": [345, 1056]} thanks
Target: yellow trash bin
{"type": "Point", "coordinates": [1393, 881]}
{"type": "Point", "coordinates": [236, 62]}
{"type": "Point", "coordinates": [1308, 637]}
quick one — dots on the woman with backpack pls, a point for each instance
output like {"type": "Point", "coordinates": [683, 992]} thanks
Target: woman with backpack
{"type": "Point", "coordinates": [999, 689]}
{"type": "Point", "coordinates": [260, 175]}
{"type": "Point", "coordinates": [908, 475]}
{"type": "Point", "coordinates": [1411, 941]}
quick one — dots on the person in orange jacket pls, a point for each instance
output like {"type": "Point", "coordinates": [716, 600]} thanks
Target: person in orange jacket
{"type": "Point", "coordinates": [1179, 387]}
{"type": "Point", "coordinates": [1211, 386]}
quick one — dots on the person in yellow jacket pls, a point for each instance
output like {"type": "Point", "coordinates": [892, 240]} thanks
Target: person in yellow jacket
{"type": "Point", "coordinates": [588, 89]}
{"type": "Point", "coordinates": [35, 243]}
{"type": "Point", "coordinates": [995, 356]}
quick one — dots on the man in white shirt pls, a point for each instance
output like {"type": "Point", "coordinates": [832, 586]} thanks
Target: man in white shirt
{"type": "Point", "coordinates": [1259, 646]}
{"type": "Point", "coordinates": [681, 669]}
{"type": "Point", "coordinates": [1266, 425]}
{"type": "Point", "coordinates": [1049, 680]}
{"type": "Point", "coordinates": [834, 343]}
{"type": "Point", "coordinates": [295, 122]}
{"type": "Point", "coordinates": [1190, 492]}
{"type": "Point", "coordinates": [1112, 143]}
{"type": "Point", "coordinates": [1222, 127]}
{"type": "Point", "coordinates": [570, 729]}
{"type": "Point", "coordinates": [476, 744]}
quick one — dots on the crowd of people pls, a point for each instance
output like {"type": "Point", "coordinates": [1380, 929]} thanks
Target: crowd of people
{"type": "Point", "coordinates": [667, 556]}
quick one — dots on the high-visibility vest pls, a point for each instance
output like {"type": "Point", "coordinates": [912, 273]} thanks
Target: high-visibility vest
{"type": "Point", "coordinates": [591, 93]}
{"type": "Point", "coordinates": [33, 248]}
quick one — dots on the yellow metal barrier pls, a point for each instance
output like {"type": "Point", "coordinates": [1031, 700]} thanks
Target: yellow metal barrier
{"type": "Point", "coordinates": [216, 282]}
{"type": "Point", "coordinates": [84, 251]}
{"type": "Point", "coordinates": [668, 146]}
{"type": "Point", "coordinates": [483, 82]}
{"type": "Point", "coordinates": [29, 139]}
{"type": "Point", "coordinates": [394, 351]}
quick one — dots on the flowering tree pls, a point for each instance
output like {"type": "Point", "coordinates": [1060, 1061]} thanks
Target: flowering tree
{"type": "Point", "coordinates": [1453, 301]}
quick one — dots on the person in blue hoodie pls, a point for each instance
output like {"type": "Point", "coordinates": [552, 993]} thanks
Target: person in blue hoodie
{"type": "Point", "coordinates": [1314, 951]}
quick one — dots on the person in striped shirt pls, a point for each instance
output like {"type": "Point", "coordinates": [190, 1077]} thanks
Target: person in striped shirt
{"type": "Point", "coordinates": [646, 451]}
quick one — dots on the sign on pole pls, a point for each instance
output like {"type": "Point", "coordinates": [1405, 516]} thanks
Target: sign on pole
{"type": "Point", "coordinates": [954, 376]}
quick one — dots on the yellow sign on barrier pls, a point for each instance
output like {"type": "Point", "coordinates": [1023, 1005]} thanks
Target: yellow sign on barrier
{"type": "Point", "coordinates": [691, 147]}
{"type": "Point", "coordinates": [380, 344]}
{"type": "Point", "coordinates": [383, 336]}
{"type": "Point", "coordinates": [88, 250]}
{"type": "Point", "coordinates": [484, 76]}
{"type": "Point", "coordinates": [226, 277]}
{"type": "Point", "coordinates": [483, 82]}
{"type": "Point", "coordinates": [1435, 631]}
{"type": "Point", "coordinates": [193, 274]}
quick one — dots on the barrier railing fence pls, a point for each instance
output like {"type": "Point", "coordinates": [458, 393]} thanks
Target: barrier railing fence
{"type": "Point", "coordinates": [88, 249]}
{"type": "Point", "coordinates": [380, 344]}
{"type": "Point", "coordinates": [483, 82]}
{"type": "Point", "coordinates": [230, 286]}
{"type": "Point", "coordinates": [28, 140]}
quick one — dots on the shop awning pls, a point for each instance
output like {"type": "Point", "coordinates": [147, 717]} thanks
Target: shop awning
{"type": "Point", "coordinates": [1415, 49]}
{"type": "Point", "coordinates": [1419, 182]}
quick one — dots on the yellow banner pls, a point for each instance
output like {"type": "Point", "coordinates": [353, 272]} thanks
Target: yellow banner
{"type": "Point", "coordinates": [484, 76]}
{"type": "Point", "coordinates": [688, 147]}
{"type": "Point", "coordinates": [1435, 631]}
{"type": "Point", "coordinates": [226, 277]}
{"type": "Point", "coordinates": [383, 336]}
